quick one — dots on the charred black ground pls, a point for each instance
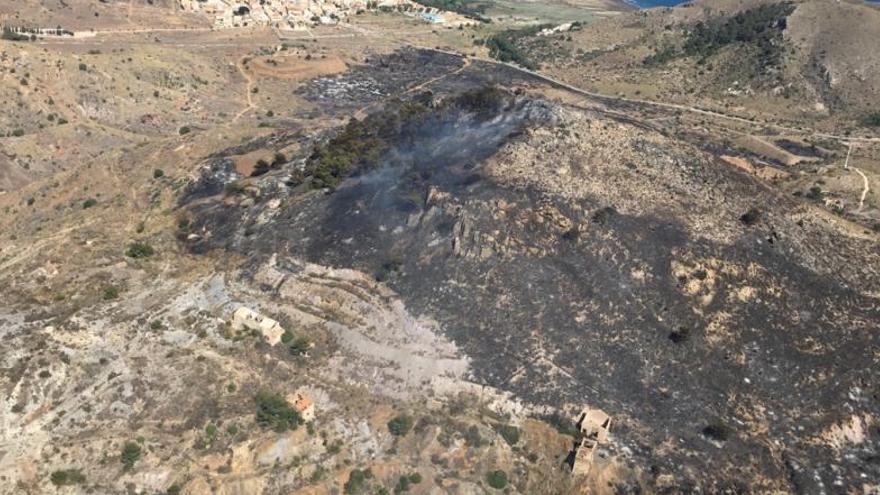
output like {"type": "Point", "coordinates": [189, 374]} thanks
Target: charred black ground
{"type": "Point", "coordinates": [538, 290]}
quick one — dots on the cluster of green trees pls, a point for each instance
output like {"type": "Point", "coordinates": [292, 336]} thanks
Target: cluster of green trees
{"type": "Point", "coordinates": [400, 425]}
{"type": "Point", "coordinates": [10, 35]}
{"type": "Point", "coordinates": [505, 46]}
{"type": "Point", "coordinates": [356, 146]}
{"type": "Point", "coordinates": [273, 411]}
{"type": "Point", "coordinates": [66, 477]}
{"type": "Point", "coordinates": [760, 28]}
{"type": "Point", "coordinates": [362, 143]}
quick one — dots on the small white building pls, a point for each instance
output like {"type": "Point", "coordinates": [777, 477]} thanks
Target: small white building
{"type": "Point", "coordinates": [246, 318]}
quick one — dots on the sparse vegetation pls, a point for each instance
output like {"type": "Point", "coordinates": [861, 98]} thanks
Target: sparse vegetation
{"type": "Point", "coordinates": [89, 203]}
{"type": "Point", "coordinates": [472, 437]}
{"type": "Point", "coordinates": [400, 425]}
{"type": "Point", "coordinates": [357, 480]}
{"type": "Point", "coordinates": [759, 28]}
{"type": "Point", "coordinates": [273, 411]}
{"type": "Point", "coordinates": [509, 433]}
{"type": "Point", "coordinates": [299, 346]}
{"type": "Point", "coordinates": [496, 479]}
{"type": "Point", "coordinates": [184, 130]}
{"type": "Point", "coordinates": [815, 193]}
{"type": "Point", "coordinates": [158, 173]}
{"type": "Point", "coordinates": [139, 249]}
{"type": "Point", "coordinates": [67, 477]}
{"type": "Point", "coordinates": [131, 453]}
{"type": "Point", "coordinates": [872, 119]}
{"type": "Point", "coordinates": [233, 188]}
{"type": "Point", "coordinates": [111, 293]}
{"type": "Point", "coordinates": [504, 46]}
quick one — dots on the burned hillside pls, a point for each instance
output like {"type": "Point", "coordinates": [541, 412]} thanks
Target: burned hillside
{"type": "Point", "coordinates": [577, 259]}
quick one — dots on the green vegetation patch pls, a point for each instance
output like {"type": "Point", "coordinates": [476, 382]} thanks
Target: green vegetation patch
{"type": "Point", "coordinates": [760, 28]}
{"type": "Point", "coordinates": [400, 425]}
{"type": "Point", "coordinates": [67, 477]}
{"type": "Point", "coordinates": [139, 249]}
{"type": "Point", "coordinates": [111, 293]}
{"type": "Point", "coordinates": [357, 481]}
{"type": "Point", "coordinates": [509, 433]}
{"type": "Point", "coordinates": [131, 453]}
{"type": "Point", "coordinates": [273, 411]}
{"type": "Point", "coordinates": [506, 46]}
{"type": "Point", "coordinates": [10, 35]}
{"type": "Point", "coordinates": [360, 145]}
{"type": "Point", "coordinates": [496, 479]}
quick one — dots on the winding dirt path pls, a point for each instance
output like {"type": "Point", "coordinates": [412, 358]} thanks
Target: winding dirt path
{"type": "Point", "coordinates": [672, 106]}
{"type": "Point", "coordinates": [865, 190]}
{"type": "Point", "coordinates": [867, 186]}
{"type": "Point", "coordinates": [248, 90]}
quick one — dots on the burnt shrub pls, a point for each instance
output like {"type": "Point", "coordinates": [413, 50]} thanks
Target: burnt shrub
{"type": "Point", "coordinates": [680, 335]}
{"type": "Point", "coordinates": [260, 168]}
{"type": "Point", "coordinates": [603, 215]}
{"type": "Point", "coordinates": [750, 217]}
{"type": "Point", "coordinates": [717, 431]}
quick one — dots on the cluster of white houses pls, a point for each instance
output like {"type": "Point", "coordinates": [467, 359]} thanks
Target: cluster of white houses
{"type": "Point", "coordinates": [297, 14]}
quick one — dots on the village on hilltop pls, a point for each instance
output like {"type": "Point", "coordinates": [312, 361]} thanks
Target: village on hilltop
{"type": "Point", "coordinates": [300, 14]}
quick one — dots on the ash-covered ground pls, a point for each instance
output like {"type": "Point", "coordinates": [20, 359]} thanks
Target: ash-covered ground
{"type": "Point", "coordinates": [580, 260]}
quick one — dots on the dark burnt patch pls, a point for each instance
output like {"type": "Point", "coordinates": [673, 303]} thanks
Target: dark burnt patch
{"type": "Point", "coordinates": [378, 77]}
{"type": "Point", "coordinates": [539, 291]}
